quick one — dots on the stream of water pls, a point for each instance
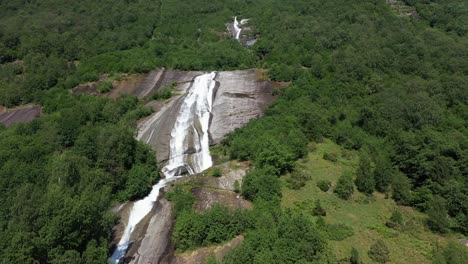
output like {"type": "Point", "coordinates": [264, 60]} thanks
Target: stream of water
{"type": "Point", "coordinates": [237, 29]}
{"type": "Point", "coordinates": [189, 151]}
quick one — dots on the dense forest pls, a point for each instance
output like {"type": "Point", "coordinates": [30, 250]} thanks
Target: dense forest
{"type": "Point", "coordinates": [393, 88]}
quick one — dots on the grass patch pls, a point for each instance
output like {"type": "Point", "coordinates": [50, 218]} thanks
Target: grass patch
{"type": "Point", "coordinates": [367, 216]}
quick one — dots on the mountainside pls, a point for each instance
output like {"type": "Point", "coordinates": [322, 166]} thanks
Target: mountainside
{"type": "Point", "coordinates": [312, 131]}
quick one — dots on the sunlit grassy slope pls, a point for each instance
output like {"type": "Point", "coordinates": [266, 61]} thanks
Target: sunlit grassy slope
{"type": "Point", "coordinates": [413, 244]}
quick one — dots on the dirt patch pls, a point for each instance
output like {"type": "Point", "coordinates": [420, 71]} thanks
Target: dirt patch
{"type": "Point", "coordinates": [127, 85]}
{"type": "Point", "coordinates": [201, 255]}
{"type": "Point", "coordinates": [231, 172]}
{"type": "Point", "coordinates": [22, 114]}
{"type": "Point", "coordinates": [402, 9]}
{"type": "Point", "coordinates": [207, 197]}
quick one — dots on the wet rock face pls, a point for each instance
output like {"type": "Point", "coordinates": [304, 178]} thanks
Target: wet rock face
{"type": "Point", "coordinates": [239, 96]}
{"type": "Point", "coordinates": [155, 246]}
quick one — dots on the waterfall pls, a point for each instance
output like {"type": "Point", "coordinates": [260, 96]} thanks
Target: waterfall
{"type": "Point", "coordinates": [189, 151]}
{"type": "Point", "coordinates": [237, 29]}
{"type": "Point", "coordinates": [189, 145]}
{"type": "Point", "coordinates": [139, 210]}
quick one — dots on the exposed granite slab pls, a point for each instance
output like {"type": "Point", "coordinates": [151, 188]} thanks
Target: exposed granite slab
{"type": "Point", "coordinates": [239, 97]}
{"type": "Point", "coordinates": [20, 115]}
{"type": "Point", "coordinates": [155, 246]}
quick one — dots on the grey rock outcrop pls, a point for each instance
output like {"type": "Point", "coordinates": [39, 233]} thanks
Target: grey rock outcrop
{"type": "Point", "coordinates": [239, 97]}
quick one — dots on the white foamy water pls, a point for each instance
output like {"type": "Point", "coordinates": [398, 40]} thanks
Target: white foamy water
{"type": "Point", "coordinates": [237, 29]}
{"type": "Point", "coordinates": [190, 146]}
{"type": "Point", "coordinates": [139, 210]}
{"type": "Point", "coordinates": [189, 152]}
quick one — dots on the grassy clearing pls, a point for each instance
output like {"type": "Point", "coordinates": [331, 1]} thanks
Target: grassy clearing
{"type": "Point", "coordinates": [413, 244]}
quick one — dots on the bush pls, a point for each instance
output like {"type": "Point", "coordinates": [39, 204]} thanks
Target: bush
{"type": "Point", "coordinates": [345, 188]}
{"type": "Point", "coordinates": [453, 253]}
{"type": "Point", "coordinates": [379, 252]}
{"type": "Point", "coordinates": [164, 95]}
{"type": "Point", "coordinates": [216, 225]}
{"type": "Point", "coordinates": [364, 178]}
{"type": "Point", "coordinates": [237, 187]}
{"type": "Point", "coordinates": [324, 185]}
{"type": "Point", "coordinates": [438, 220]}
{"type": "Point", "coordinates": [216, 172]}
{"type": "Point", "coordinates": [318, 209]}
{"type": "Point", "coordinates": [338, 232]}
{"type": "Point", "coordinates": [354, 259]}
{"type": "Point", "coordinates": [182, 200]}
{"type": "Point", "coordinates": [396, 220]}
{"type": "Point", "coordinates": [333, 157]}
{"type": "Point", "coordinates": [297, 180]}
{"type": "Point", "coordinates": [104, 87]}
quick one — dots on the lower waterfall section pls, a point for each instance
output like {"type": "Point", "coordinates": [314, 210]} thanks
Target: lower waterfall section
{"type": "Point", "coordinates": [189, 152]}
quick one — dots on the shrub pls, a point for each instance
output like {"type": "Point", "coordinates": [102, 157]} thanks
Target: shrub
{"type": "Point", "coordinates": [297, 179]}
{"type": "Point", "coordinates": [338, 232]}
{"type": "Point", "coordinates": [324, 185]}
{"type": "Point", "coordinates": [181, 199]}
{"type": "Point", "coordinates": [216, 172]}
{"type": "Point", "coordinates": [364, 178]}
{"type": "Point", "coordinates": [345, 188]}
{"type": "Point", "coordinates": [438, 220]}
{"type": "Point", "coordinates": [164, 95]}
{"type": "Point", "coordinates": [396, 220]}
{"type": "Point", "coordinates": [333, 157]}
{"type": "Point", "coordinates": [104, 87]}
{"type": "Point", "coordinates": [318, 209]}
{"type": "Point", "coordinates": [354, 259]}
{"type": "Point", "coordinates": [237, 187]}
{"type": "Point", "coordinates": [379, 252]}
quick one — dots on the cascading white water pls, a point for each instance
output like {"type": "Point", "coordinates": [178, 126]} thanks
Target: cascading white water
{"type": "Point", "coordinates": [139, 210]}
{"type": "Point", "coordinates": [189, 151]}
{"type": "Point", "coordinates": [189, 146]}
{"type": "Point", "coordinates": [237, 29]}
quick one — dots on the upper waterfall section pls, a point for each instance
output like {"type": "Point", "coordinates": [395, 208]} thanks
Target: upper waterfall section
{"type": "Point", "coordinates": [238, 97]}
{"type": "Point", "coordinates": [189, 150]}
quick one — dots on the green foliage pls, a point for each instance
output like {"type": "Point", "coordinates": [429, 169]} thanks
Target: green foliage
{"type": "Point", "coordinates": [104, 87]}
{"type": "Point", "coordinates": [337, 232]}
{"type": "Point", "coordinates": [324, 185]}
{"type": "Point", "coordinates": [383, 174]}
{"type": "Point", "coordinates": [401, 189]}
{"type": "Point", "coordinates": [333, 157]}
{"type": "Point", "coordinates": [318, 209]}
{"type": "Point", "coordinates": [297, 179]}
{"type": "Point", "coordinates": [237, 186]}
{"type": "Point", "coordinates": [437, 214]}
{"type": "Point", "coordinates": [216, 172]}
{"type": "Point", "coordinates": [165, 94]}
{"type": "Point", "coordinates": [396, 220]}
{"type": "Point", "coordinates": [214, 226]}
{"type": "Point", "coordinates": [181, 199]}
{"type": "Point", "coordinates": [345, 187]}
{"type": "Point", "coordinates": [261, 184]}
{"type": "Point", "coordinates": [379, 252]}
{"type": "Point", "coordinates": [354, 259]}
{"type": "Point", "coordinates": [287, 237]}
{"type": "Point", "coordinates": [453, 253]}
{"type": "Point", "coordinates": [61, 174]}
{"type": "Point", "coordinates": [364, 178]}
